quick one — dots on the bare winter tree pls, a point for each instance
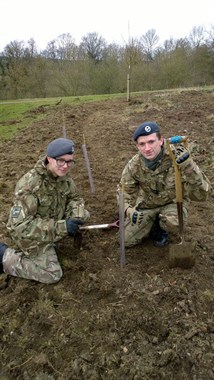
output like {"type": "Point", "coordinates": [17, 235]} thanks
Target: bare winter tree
{"type": "Point", "coordinates": [197, 37]}
{"type": "Point", "coordinates": [66, 47]}
{"type": "Point", "coordinates": [51, 50]}
{"type": "Point", "coordinates": [93, 46]}
{"type": "Point", "coordinates": [14, 50]}
{"type": "Point", "coordinates": [149, 43]}
{"type": "Point", "coordinates": [31, 49]}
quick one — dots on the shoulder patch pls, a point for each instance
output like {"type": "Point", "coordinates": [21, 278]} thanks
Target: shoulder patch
{"type": "Point", "coordinates": [16, 211]}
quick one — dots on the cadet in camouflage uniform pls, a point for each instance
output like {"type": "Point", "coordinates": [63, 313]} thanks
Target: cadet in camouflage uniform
{"type": "Point", "coordinates": [46, 208]}
{"type": "Point", "coordinates": [148, 180]}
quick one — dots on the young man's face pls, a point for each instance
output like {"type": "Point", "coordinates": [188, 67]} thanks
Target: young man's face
{"type": "Point", "coordinates": [149, 146]}
{"type": "Point", "coordinates": [60, 166]}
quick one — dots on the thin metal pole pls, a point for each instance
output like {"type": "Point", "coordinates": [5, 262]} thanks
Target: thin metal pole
{"type": "Point", "coordinates": [122, 227]}
{"type": "Point", "coordinates": [88, 167]}
{"type": "Point", "coordinates": [128, 85]}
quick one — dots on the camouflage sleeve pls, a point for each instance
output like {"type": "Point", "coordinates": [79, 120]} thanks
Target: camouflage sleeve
{"type": "Point", "coordinates": [75, 207]}
{"type": "Point", "coordinates": [131, 186]}
{"type": "Point", "coordinates": [197, 184]}
{"type": "Point", "coordinates": [25, 224]}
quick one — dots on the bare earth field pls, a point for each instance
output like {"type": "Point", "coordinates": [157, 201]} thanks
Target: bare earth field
{"type": "Point", "coordinates": [102, 321]}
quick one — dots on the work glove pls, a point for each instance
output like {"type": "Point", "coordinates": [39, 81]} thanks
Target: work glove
{"type": "Point", "coordinates": [183, 159]}
{"type": "Point", "coordinates": [135, 215]}
{"type": "Point", "coordinates": [182, 155]}
{"type": "Point", "coordinates": [73, 225]}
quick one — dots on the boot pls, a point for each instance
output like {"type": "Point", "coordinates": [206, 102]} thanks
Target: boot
{"type": "Point", "coordinates": [3, 248]}
{"type": "Point", "coordinates": [159, 236]}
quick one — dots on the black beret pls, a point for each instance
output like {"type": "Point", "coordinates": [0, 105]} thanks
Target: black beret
{"type": "Point", "coordinates": [146, 129]}
{"type": "Point", "coordinates": [59, 147]}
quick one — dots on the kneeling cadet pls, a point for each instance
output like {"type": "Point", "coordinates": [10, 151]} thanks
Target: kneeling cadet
{"type": "Point", "coordinates": [47, 207]}
{"type": "Point", "coordinates": [149, 188]}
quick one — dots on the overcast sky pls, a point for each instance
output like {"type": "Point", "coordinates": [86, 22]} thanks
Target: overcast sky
{"type": "Point", "coordinates": [114, 20]}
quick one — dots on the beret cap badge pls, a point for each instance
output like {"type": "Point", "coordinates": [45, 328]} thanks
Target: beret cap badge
{"type": "Point", "coordinates": [148, 128]}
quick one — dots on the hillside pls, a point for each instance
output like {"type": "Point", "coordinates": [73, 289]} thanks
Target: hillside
{"type": "Point", "coordinates": [103, 322]}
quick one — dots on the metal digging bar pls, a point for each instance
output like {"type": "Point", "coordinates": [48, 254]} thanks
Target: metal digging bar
{"type": "Point", "coordinates": [100, 226]}
{"type": "Point", "coordinates": [78, 235]}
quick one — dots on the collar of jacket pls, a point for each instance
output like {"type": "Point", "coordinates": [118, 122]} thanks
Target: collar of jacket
{"type": "Point", "coordinates": [163, 163]}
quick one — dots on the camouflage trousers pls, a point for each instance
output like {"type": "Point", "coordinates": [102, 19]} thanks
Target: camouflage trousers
{"type": "Point", "coordinates": [42, 266]}
{"type": "Point", "coordinates": [168, 220]}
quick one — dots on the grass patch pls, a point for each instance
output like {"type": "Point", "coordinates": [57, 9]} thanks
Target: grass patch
{"type": "Point", "coordinates": [15, 115]}
{"type": "Point", "coordinates": [209, 294]}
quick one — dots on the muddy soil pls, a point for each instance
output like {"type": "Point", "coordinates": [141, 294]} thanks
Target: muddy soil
{"type": "Point", "coordinates": [105, 321]}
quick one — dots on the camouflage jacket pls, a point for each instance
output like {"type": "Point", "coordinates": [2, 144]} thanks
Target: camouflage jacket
{"type": "Point", "coordinates": [151, 189]}
{"type": "Point", "coordinates": [41, 204]}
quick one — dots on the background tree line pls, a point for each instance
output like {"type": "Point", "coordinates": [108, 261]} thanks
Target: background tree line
{"type": "Point", "coordinates": [96, 67]}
